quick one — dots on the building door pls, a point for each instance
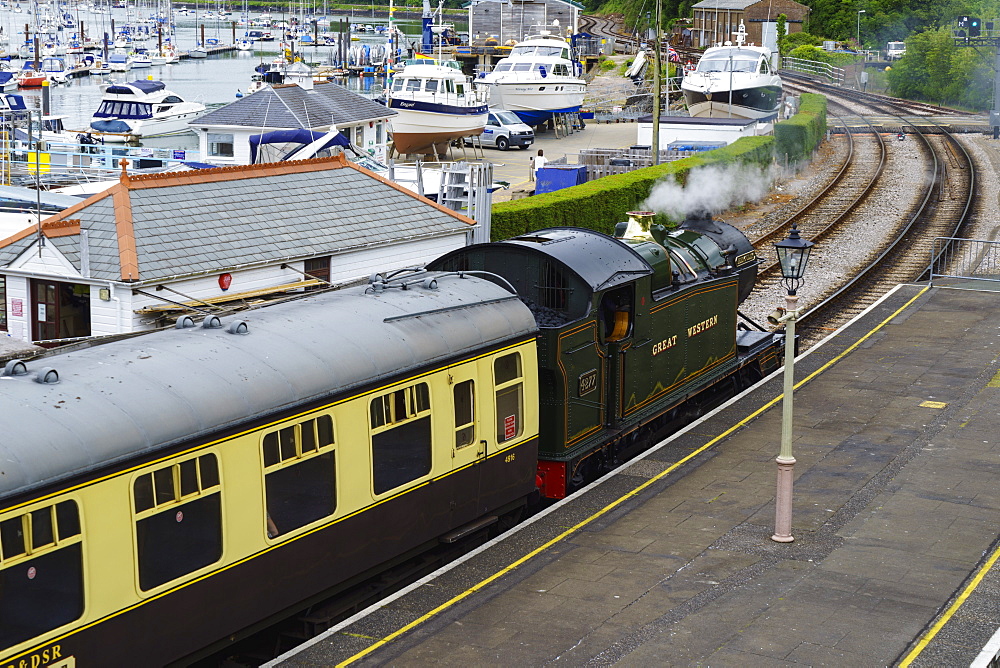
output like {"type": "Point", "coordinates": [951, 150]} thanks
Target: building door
{"type": "Point", "coordinates": [318, 267]}
{"type": "Point", "coordinates": [59, 310]}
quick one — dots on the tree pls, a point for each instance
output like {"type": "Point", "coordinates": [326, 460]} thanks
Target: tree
{"type": "Point", "coordinates": [936, 70]}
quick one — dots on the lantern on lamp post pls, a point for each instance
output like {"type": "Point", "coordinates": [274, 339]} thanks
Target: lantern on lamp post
{"type": "Point", "coordinates": [793, 255]}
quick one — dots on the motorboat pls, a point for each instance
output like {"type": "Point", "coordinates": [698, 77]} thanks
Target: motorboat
{"type": "Point", "coordinates": [434, 103]}
{"type": "Point", "coordinates": [539, 78]}
{"type": "Point", "coordinates": [142, 109]}
{"type": "Point", "coordinates": [141, 59]}
{"type": "Point", "coordinates": [120, 62]}
{"type": "Point", "coordinates": [8, 81]}
{"type": "Point", "coordinates": [199, 51]}
{"type": "Point", "coordinates": [733, 81]}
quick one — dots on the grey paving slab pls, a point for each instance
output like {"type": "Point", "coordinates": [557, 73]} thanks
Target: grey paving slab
{"type": "Point", "coordinates": [895, 510]}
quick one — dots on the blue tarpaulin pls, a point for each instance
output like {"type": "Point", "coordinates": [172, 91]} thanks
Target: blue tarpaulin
{"type": "Point", "coordinates": [291, 141]}
{"type": "Point", "coordinates": [557, 177]}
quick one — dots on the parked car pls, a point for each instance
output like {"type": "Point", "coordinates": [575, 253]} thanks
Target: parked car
{"type": "Point", "coordinates": [503, 130]}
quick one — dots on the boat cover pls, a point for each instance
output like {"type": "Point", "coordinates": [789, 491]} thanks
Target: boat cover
{"type": "Point", "coordinates": [293, 140]}
{"type": "Point", "coordinates": [145, 86]}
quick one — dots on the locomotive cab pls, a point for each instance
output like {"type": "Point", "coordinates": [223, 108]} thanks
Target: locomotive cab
{"type": "Point", "coordinates": [630, 329]}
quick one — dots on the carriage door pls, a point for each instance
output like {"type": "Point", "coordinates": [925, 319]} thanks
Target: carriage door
{"type": "Point", "coordinates": [617, 316]}
{"type": "Point", "coordinates": [467, 438]}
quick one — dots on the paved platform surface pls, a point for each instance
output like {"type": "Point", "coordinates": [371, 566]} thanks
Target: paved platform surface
{"type": "Point", "coordinates": [669, 561]}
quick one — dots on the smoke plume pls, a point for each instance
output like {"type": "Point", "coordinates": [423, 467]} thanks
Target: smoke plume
{"type": "Point", "coordinates": [709, 189]}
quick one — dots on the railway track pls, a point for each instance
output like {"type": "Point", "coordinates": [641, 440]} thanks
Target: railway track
{"type": "Point", "coordinates": [943, 208]}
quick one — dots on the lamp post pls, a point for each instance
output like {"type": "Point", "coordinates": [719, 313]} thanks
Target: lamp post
{"type": "Point", "coordinates": [860, 12]}
{"type": "Point", "coordinates": [793, 254]}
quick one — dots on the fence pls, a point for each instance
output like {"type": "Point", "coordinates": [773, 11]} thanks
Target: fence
{"type": "Point", "coordinates": [965, 260]}
{"type": "Point", "coordinates": [826, 70]}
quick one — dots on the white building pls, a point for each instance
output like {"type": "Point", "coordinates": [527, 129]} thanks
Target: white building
{"type": "Point", "coordinates": [224, 133]}
{"type": "Point", "coordinates": [153, 247]}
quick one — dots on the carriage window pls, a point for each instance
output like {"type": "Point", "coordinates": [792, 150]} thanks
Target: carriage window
{"type": "Point", "coordinates": [465, 413]}
{"type": "Point", "coordinates": [299, 475]}
{"type": "Point", "coordinates": [178, 524]}
{"type": "Point", "coordinates": [41, 572]}
{"type": "Point", "coordinates": [401, 437]}
{"type": "Point", "coordinates": [509, 396]}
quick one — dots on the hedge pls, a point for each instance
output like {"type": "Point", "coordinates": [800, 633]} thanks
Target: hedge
{"type": "Point", "coordinates": [600, 204]}
{"type": "Point", "coordinates": [796, 138]}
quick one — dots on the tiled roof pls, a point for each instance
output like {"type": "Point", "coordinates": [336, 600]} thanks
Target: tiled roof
{"type": "Point", "coordinates": [152, 228]}
{"type": "Point", "coordinates": [291, 106]}
{"type": "Point", "coordinates": [724, 4]}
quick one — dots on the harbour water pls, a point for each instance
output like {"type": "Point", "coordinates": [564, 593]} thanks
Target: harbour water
{"type": "Point", "coordinates": [213, 81]}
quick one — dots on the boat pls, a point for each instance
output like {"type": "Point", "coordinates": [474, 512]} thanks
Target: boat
{"type": "Point", "coordinates": [434, 103]}
{"type": "Point", "coordinates": [539, 78]}
{"type": "Point", "coordinates": [30, 77]}
{"type": "Point", "coordinates": [143, 109]}
{"type": "Point", "coordinates": [141, 59]}
{"type": "Point", "coordinates": [119, 62]}
{"type": "Point", "coordinates": [733, 81]}
{"type": "Point", "coordinates": [199, 51]}
{"type": "Point", "coordinates": [8, 81]}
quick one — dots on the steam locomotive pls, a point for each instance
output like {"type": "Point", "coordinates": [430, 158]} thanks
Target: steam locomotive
{"type": "Point", "coordinates": [165, 495]}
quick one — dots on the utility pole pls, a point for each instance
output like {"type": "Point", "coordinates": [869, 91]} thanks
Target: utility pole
{"type": "Point", "coordinates": [657, 85]}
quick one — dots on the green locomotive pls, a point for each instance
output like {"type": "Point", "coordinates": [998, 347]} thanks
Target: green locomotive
{"type": "Point", "coordinates": [636, 332]}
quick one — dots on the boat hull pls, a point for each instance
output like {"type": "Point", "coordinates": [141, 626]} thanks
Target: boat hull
{"type": "Point", "coordinates": [755, 102]}
{"type": "Point", "coordinates": [535, 102]}
{"type": "Point", "coordinates": [424, 127]}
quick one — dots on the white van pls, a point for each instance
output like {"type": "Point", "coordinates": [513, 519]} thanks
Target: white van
{"type": "Point", "coordinates": [895, 50]}
{"type": "Point", "coordinates": [503, 130]}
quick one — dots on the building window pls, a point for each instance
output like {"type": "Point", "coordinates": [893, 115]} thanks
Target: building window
{"type": "Point", "coordinates": [221, 145]}
{"type": "Point", "coordinates": [178, 510]}
{"type": "Point", "coordinates": [465, 413]}
{"type": "Point", "coordinates": [379, 133]}
{"type": "Point", "coordinates": [359, 135]}
{"type": "Point", "coordinates": [318, 267]}
{"type": "Point", "coordinates": [401, 437]}
{"type": "Point", "coordinates": [509, 396]}
{"type": "Point", "coordinates": [3, 303]}
{"type": "Point", "coordinates": [41, 572]}
{"type": "Point", "coordinates": [299, 475]}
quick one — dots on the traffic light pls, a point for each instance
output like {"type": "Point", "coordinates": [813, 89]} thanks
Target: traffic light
{"type": "Point", "coordinates": [973, 27]}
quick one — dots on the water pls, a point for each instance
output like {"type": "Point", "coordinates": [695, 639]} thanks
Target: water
{"type": "Point", "coordinates": [213, 81]}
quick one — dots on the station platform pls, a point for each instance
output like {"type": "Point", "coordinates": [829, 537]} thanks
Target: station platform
{"type": "Point", "coordinates": [669, 560]}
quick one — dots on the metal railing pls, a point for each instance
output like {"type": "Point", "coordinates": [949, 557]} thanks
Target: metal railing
{"type": "Point", "coordinates": [966, 260]}
{"type": "Point", "coordinates": [832, 74]}
{"type": "Point", "coordinates": [76, 163]}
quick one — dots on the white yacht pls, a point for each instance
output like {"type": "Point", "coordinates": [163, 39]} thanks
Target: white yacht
{"type": "Point", "coordinates": [539, 78]}
{"type": "Point", "coordinates": [142, 109]}
{"type": "Point", "coordinates": [733, 81]}
{"type": "Point", "coordinates": [435, 103]}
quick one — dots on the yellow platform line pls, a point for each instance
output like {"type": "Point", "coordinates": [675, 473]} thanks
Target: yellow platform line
{"type": "Point", "coordinates": [620, 500]}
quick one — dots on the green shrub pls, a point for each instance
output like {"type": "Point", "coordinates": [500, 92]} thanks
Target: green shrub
{"type": "Point", "coordinates": [797, 137]}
